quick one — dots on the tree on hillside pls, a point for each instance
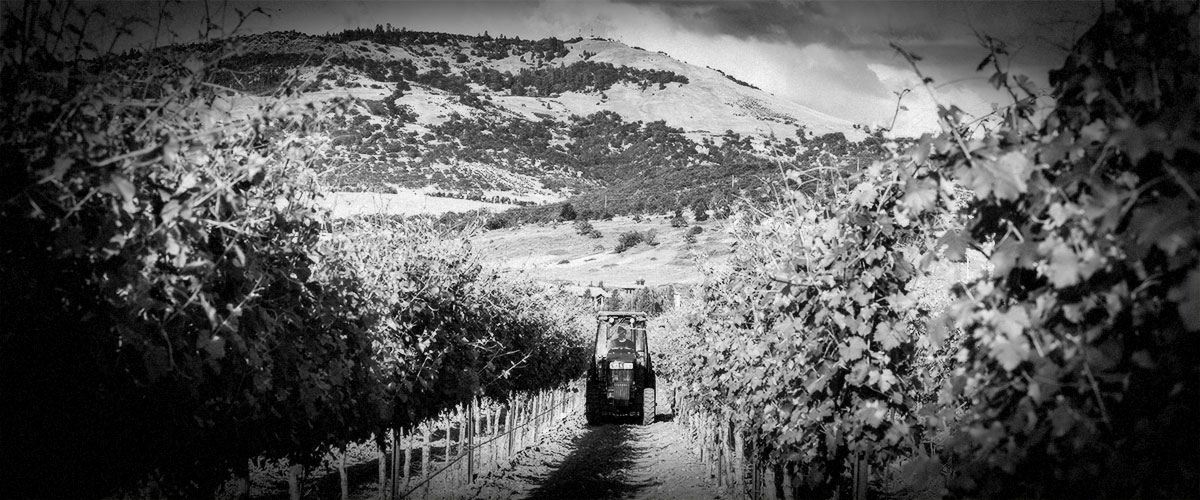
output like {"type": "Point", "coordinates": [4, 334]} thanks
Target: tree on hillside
{"type": "Point", "coordinates": [678, 220]}
{"type": "Point", "coordinates": [567, 213]}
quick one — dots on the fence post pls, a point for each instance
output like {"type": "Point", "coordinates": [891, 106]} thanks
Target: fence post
{"type": "Point", "coordinates": [861, 475]}
{"type": "Point", "coordinates": [739, 461]}
{"type": "Point", "coordinates": [426, 454]}
{"type": "Point", "coordinates": [343, 481]}
{"type": "Point", "coordinates": [243, 480]}
{"type": "Point", "coordinates": [294, 471]}
{"type": "Point", "coordinates": [446, 455]}
{"type": "Point", "coordinates": [722, 449]}
{"type": "Point", "coordinates": [471, 442]}
{"type": "Point", "coordinates": [406, 470]}
{"type": "Point", "coordinates": [537, 416]}
{"type": "Point", "coordinates": [523, 425]}
{"type": "Point", "coordinates": [789, 483]}
{"type": "Point", "coordinates": [508, 426]}
{"type": "Point", "coordinates": [395, 462]}
{"type": "Point", "coordinates": [516, 439]}
{"type": "Point", "coordinates": [383, 470]}
{"type": "Point", "coordinates": [756, 471]}
{"type": "Point", "coordinates": [491, 434]}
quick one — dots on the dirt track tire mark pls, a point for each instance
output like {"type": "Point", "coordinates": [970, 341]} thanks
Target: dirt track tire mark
{"type": "Point", "coordinates": [611, 461]}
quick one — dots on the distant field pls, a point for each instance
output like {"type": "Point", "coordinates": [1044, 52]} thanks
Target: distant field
{"type": "Point", "coordinates": [540, 251]}
{"type": "Point", "coordinates": [412, 202]}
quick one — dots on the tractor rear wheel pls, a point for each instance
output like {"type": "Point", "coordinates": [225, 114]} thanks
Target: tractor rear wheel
{"type": "Point", "coordinates": [648, 410]}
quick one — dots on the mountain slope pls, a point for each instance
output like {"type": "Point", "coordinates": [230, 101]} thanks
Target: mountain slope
{"type": "Point", "coordinates": [515, 121]}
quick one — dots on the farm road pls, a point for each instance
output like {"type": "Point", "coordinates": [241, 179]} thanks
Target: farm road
{"type": "Point", "coordinates": [613, 461]}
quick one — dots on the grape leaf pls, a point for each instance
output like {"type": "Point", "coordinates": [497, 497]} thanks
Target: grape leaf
{"type": "Point", "coordinates": [1067, 267]}
{"type": "Point", "coordinates": [1187, 300]}
{"type": "Point", "coordinates": [852, 349]}
{"type": "Point", "coordinates": [956, 243]}
{"type": "Point", "coordinates": [919, 195]}
{"type": "Point", "coordinates": [1010, 347]}
{"type": "Point", "coordinates": [1167, 225]}
{"type": "Point", "coordinates": [938, 329]}
{"type": "Point", "coordinates": [864, 194]}
{"type": "Point", "coordinates": [886, 336]}
{"type": "Point", "coordinates": [1010, 353]}
{"type": "Point", "coordinates": [1006, 256]}
{"type": "Point", "coordinates": [1006, 176]}
{"type": "Point", "coordinates": [872, 413]}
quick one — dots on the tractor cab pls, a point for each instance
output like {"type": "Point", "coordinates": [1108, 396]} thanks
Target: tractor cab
{"type": "Point", "coordinates": [620, 377]}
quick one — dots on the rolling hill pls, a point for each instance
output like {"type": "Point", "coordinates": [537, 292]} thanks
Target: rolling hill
{"type": "Point", "coordinates": [499, 122]}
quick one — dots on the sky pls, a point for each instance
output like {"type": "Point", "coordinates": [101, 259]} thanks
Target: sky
{"type": "Point", "coordinates": [832, 56]}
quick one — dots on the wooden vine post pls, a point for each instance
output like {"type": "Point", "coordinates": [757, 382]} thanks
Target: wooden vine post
{"type": "Point", "coordinates": [426, 455]}
{"type": "Point", "coordinates": [737, 460]}
{"type": "Point", "coordinates": [343, 481]}
{"type": "Point", "coordinates": [383, 472]}
{"type": "Point", "coordinates": [242, 481]}
{"type": "Point", "coordinates": [508, 426]}
{"type": "Point", "coordinates": [537, 416]}
{"type": "Point", "coordinates": [492, 434]}
{"type": "Point", "coordinates": [446, 455]}
{"type": "Point", "coordinates": [861, 474]}
{"type": "Point", "coordinates": [406, 469]}
{"type": "Point", "coordinates": [395, 451]}
{"type": "Point", "coordinates": [471, 442]}
{"type": "Point", "coordinates": [294, 472]}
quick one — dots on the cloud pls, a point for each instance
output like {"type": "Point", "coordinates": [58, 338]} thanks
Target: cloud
{"type": "Point", "coordinates": [798, 23]}
{"type": "Point", "coordinates": [835, 56]}
{"type": "Point", "coordinates": [832, 56]}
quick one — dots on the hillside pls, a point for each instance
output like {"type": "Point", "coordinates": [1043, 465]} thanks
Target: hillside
{"type": "Point", "coordinates": [556, 253]}
{"type": "Point", "coordinates": [517, 122]}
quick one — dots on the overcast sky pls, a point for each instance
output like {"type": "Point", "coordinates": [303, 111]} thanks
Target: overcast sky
{"type": "Point", "coordinates": [832, 56]}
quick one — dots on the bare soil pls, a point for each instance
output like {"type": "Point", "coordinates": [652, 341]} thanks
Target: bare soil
{"type": "Point", "coordinates": [610, 461]}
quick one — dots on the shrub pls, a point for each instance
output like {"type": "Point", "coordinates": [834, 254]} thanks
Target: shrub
{"type": "Point", "coordinates": [678, 220]}
{"type": "Point", "coordinates": [583, 227]}
{"type": "Point", "coordinates": [627, 240]}
{"type": "Point", "coordinates": [567, 212]}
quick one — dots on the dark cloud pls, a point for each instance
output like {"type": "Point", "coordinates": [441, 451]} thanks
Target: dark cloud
{"type": "Point", "coordinates": [794, 22]}
{"type": "Point", "coordinates": [871, 25]}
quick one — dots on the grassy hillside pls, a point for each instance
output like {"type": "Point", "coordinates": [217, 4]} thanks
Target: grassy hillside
{"type": "Point", "coordinates": [510, 122]}
{"type": "Point", "coordinates": [556, 252]}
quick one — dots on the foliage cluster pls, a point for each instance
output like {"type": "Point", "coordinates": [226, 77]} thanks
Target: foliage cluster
{"type": "Point", "coordinates": [1082, 364]}
{"type": "Point", "coordinates": [630, 239]}
{"type": "Point", "coordinates": [677, 220]}
{"type": "Point", "coordinates": [544, 50]}
{"type": "Point", "coordinates": [1073, 368]}
{"type": "Point", "coordinates": [449, 328]}
{"type": "Point", "coordinates": [173, 306]}
{"type": "Point", "coordinates": [650, 300]}
{"type": "Point", "coordinates": [585, 228]}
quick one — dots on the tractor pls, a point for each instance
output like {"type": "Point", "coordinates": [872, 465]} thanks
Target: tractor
{"type": "Point", "coordinates": [620, 381]}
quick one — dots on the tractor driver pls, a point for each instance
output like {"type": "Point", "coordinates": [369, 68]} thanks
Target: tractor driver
{"type": "Point", "coordinates": [623, 341]}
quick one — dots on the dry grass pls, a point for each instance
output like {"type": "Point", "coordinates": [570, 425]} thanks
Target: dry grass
{"type": "Point", "coordinates": [539, 251]}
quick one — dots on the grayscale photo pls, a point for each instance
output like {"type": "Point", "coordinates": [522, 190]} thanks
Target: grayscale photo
{"type": "Point", "coordinates": [599, 249]}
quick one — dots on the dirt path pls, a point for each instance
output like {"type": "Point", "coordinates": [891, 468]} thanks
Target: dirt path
{"type": "Point", "coordinates": [613, 461]}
